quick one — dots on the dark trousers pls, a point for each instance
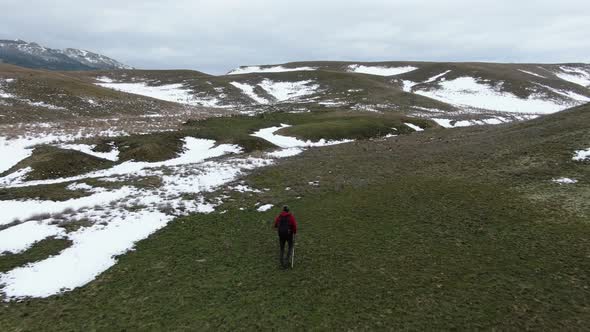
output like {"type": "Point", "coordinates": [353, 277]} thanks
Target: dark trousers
{"type": "Point", "coordinates": [283, 238]}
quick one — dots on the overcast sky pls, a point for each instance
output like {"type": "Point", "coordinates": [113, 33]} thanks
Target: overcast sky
{"type": "Point", "coordinates": [217, 35]}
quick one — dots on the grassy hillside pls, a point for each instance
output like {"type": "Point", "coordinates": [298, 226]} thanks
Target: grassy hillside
{"type": "Point", "coordinates": [335, 85]}
{"type": "Point", "coordinates": [39, 95]}
{"type": "Point", "coordinates": [442, 229]}
{"type": "Point", "coordinates": [514, 75]}
{"type": "Point", "coordinates": [49, 162]}
{"type": "Point", "coordinates": [349, 88]}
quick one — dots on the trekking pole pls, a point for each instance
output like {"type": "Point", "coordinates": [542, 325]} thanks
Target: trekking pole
{"type": "Point", "coordinates": [293, 253]}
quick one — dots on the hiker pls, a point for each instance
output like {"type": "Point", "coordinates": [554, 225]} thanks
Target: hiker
{"type": "Point", "coordinates": [286, 227]}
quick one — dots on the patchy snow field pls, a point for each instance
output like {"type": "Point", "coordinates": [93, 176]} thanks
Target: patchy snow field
{"type": "Point", "coordinates": [176, 93]}
{"type": "Point", "coordinates": [248, 90]}
{"type": "Point", "coordinates": [274, 69]}
{"type": "Point", "coordinates": [531, 73]}
{"type": "Point", "coordinates": [575, 75]}
{"type": "Point", "coordinates": [21, 237]}
{"type": "Point", "coordinates": [6, 95]}
{"type": "Point", "coordinates": [281, 91]}
{"type": "Point", "coordinates": [264, 208]}
{"type": "Point", "coordinates": [449, 123]}
{"type": "Point", "coordinates": [113, 220]}
{"type": "Point", "coordinates": [380, 70]}
{"type": "Point", "coordinates": [413, 126]}
{"type": "Point", "coordinates": [3, 83]}
{"type": "Point", "coordinates": [565, 181]}
{"type": "Point", "coordinates": [582, 155]}
{"type": "Point", "coordinates": [15, 150]}
{"type": "Point", "coordinates": [288, 142]}
{"type": "Point", "coordinates": [467, 91]}
{"type": "Point", "coordinates": [113, 155]}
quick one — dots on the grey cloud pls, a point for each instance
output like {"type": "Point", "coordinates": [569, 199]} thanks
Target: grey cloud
{"type": "Point", "coordinates": [214, 36]}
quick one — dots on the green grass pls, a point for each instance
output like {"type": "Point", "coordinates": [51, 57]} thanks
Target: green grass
{"type": "Point", "coordinates": [361, 127]}
{"type": "Point", "coordinates": [70, 91]}
{"type": "Point", "coordinates": [53, 192]}
{"type": "Point", "coordinates": [429, 231]}
{"type": "Point", "coordinates": [335, 85]}
{"type": "Point", "coordinates": [37, 252]}
{"type": "Point", "coordinates": [150, 148]}
{"type": "Point", "coordinates": [48, 162]}
{"type": "Point", "coordinates": [309, 126]}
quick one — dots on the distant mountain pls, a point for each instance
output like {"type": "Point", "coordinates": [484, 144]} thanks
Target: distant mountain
{"type": "Point", "coordinates": [33, 55]}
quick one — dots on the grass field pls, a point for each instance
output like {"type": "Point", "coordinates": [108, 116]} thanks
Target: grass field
{"type": "Point", "coordinates": [443, 229]}
{"type": "Point", "coordinates": [49, 162]}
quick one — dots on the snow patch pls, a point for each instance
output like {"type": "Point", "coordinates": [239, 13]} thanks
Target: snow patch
{"type": "Point", "coordinates": [175, 93]}
{"type": "Point", "coordinates": [93, 251]}
{"type": "Point", "coordinates": [79, 186]}
{"type": "Point", "coordinates": [289, 90]}
{"type": "Point", "coordinates": [4, 94]}
{"type": "Point", "coordinates": [22, 210]}
{"type": "Point", "coordinates": [291, 142]}
{"type": "Point", "coordinates": [467, 91]}
{"type": "Point", "coordinates": [264, 208]}
{"type": "Point", "coordinates": [413, 126]}
{"type": "Point", "coordinates": [249, 91]}
{"type": "Point", "coordinates": [244, 189]}
{"type": "Point", "coordinates": [574, 75]}
{"type": "Point", "coordinates": [567, 94]}
{"type": "Point", "coordinates": [436, 77]}
{"type": "Point", "coordinates": [21, 237]}
{"type": "Point", "coordinates": [104, 79]}
{"type": "Point", "coordinates": [408, 85]}
{"type": "Point", "coordinates": [380, 70]}
{"type": "Point", "coordinates": [581, 155]}
{"type": "Point", "coordinates": [15, 150]}
{"type": "Point", "coordinates": [531, 73]}
{"type": "Point", "coordinates": [274, 69]}
{"type": "Point", "coordinates": [565, 181]}
{"type": "Point", "coordinates": [195, 150]}
{"type": "Point", "coordinates": [449, 123]}
{"type": "Point", "coordinates": [113, 155]}
{"type": "Point", "coordinates": [288, 152]}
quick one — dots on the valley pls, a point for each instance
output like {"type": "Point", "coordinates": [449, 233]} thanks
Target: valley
{"type": "Point", "coordinates": [429, 195]}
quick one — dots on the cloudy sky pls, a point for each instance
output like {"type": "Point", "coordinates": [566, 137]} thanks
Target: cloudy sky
{"type": "Point", "coordinates": [217, 35]}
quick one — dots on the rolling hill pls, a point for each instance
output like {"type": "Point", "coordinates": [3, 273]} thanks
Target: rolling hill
{"type": "Point", "coordinates": [33, 55]}
{"type": "Point", "coordinates": [430, 196]}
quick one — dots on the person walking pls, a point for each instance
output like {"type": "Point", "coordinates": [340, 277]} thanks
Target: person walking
{"type": "Point", "coordinates": [286, 227]}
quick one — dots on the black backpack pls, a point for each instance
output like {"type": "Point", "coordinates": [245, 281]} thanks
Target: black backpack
{"type": "Point", "coordinates": [284, 227]}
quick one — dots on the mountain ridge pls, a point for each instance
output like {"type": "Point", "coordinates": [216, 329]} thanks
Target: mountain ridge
{"type": "Point", "coordinates": [35, 56]}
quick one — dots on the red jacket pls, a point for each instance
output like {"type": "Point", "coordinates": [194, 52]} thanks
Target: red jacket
{"type": "Point", "coordinates": [292, 221]}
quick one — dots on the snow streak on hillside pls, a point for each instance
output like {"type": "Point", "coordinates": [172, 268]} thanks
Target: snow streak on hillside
{"type": "Point", "coordinates": [274, 69]}
{"type": "Point", "coordinates": [469, 92]}
{"type": "Point", "coordinates": [176, 93]}
{"type": "Point", "coordinates": [380, 70]}
{"type": "Point", "coordinates": [575, 75]}
{"type": "Point", "coordinates": [34, 55]}
{"type": "Point", "coordinates": [283, 91]}
{"type": "Point", "coordinates": [270, 135]}
{"type": "Point", "coordinates": [248, 90]}
{"type": "Point", "coordinates": [131, 213]}
{"type": "Point", "coordinates": [280, 91]}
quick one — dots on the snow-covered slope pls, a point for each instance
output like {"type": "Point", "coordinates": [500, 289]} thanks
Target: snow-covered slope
{"type": "Point", "coordinates": [94, 60]}
{"type": "Point", "coordinates": [577, 75]}
{"type": "Point", "coordinates": [33, 55]}
{"type": "Point", "coordinates": [381, 70]}
{"type": "Point", "coordinates": [513, 88]}
{"type": "Point", "coordinates": [469, 92]}
{"type": "Point", "coordinates": [267, 69]}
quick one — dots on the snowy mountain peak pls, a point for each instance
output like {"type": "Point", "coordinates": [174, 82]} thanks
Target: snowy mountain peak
{"type": "Point", "coordinates": [92, 59]}
{"type": "Point", "coordinates": [33, 55]}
